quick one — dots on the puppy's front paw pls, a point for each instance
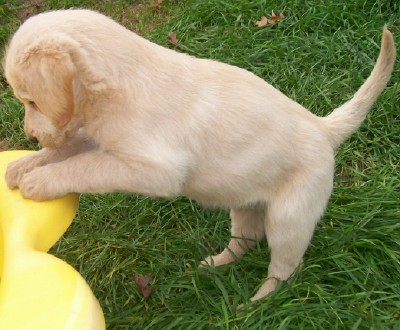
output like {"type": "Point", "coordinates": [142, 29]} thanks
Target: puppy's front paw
{"type": "Point", "coordinates": [38, 185]}
{"type": "Point", "coordinates": [15, 171]}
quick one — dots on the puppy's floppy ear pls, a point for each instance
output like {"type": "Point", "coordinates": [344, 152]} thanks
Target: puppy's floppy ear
{"type": "Point", "coordinates": [49, 74]}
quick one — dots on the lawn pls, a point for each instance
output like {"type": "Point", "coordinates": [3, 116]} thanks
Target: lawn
{"type": "Point", "coordinates": [318, 54]}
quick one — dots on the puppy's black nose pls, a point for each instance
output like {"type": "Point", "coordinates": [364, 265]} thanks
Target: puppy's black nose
{"type": "Point", "coordinates": [33, 140]}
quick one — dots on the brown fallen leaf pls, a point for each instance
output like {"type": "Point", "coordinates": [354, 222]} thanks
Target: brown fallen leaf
{"type": "Point", "coordinates": [172, 38]}
{"type": "Point", "coordinates": [272, 20]}
{"type": "Point", "coordinates": [275, 19]}
{"type": "Point", "coordinates": [143, 284]}
{"type": "Point", "coordinates": [262, 22]}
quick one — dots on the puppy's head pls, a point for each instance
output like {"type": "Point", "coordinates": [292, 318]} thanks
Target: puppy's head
{"type": "Point", "coordinates": [42, 74]}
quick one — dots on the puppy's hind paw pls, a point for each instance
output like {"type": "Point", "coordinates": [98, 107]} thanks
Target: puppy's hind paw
{"type": "Point", "coordinates": [206, 262]}
{"type": "Point", "coordinates": [225, 257]}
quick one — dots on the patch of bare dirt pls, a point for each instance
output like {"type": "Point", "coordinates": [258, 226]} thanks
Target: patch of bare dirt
{"type": "Point", "coordinates": [132, 16]}
{"type": "Point", "coordinates": [3, 146]}
{"type": "Point", "coordinates": [30, 8]}
{"type": "Point", "coordinates": [129, 15]}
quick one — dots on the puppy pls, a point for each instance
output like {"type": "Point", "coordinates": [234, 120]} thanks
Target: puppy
{"type": "Point", "coordinates": [115, 112]}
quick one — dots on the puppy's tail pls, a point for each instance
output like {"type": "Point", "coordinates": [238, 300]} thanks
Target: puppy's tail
{"type": "Point", "coordinates": [343, 121]}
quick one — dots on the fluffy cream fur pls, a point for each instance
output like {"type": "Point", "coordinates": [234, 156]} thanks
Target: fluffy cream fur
{"type": "Point", "coordinates": [115, 112]}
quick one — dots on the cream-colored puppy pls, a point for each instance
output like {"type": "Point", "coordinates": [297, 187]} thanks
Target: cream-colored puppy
{"type": "Point", "coordinates": [115, 112]}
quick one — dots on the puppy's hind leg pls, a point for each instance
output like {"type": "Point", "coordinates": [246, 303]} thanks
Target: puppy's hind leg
{"type": "Point", "coordinates": [247, 228]}
{"type": "Point", "coordinates": [290, 222]}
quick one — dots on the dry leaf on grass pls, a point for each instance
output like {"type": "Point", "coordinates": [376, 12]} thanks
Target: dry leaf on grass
{"type": "Point", "coordinates": [275, 19]}
{"type": "Point", "coordinates": [262, 22]}
{"type": "Point", "coordinates": [143, 284]}
{"type": "Point", "coordinates": [172, 38]}
{"type": "Point", "coordinates": [272, 20]}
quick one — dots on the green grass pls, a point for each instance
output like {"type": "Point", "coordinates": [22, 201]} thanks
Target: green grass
{"type": "Point", "coordinates": [318, 55]}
